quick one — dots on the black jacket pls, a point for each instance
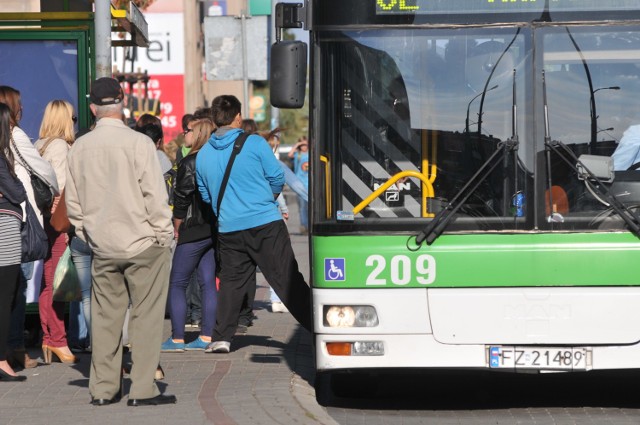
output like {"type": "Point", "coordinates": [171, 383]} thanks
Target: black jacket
{"type": "Point", "coordinates": [197, 217]}
{"type": "Point", "coordinates": [13, 193]}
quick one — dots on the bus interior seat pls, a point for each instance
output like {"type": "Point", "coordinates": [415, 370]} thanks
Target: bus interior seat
{"type": "Point", "coordinates": [559, 199]}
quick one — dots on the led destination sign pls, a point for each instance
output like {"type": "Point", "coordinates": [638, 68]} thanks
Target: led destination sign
{"type": "Point", "coordinates": [421, 7]}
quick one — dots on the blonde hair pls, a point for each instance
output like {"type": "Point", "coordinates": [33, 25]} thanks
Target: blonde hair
{"type": "Point", "coordinates": [202, 129]}
{"type": "Point", "coordinates": [57, 122]}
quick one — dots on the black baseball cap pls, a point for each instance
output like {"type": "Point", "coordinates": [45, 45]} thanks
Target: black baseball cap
{"type": "Point", "coordinates": [106, 91]}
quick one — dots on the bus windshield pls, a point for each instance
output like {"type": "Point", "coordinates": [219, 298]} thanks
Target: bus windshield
{"type": "Point", "coordinates": [439, 102]}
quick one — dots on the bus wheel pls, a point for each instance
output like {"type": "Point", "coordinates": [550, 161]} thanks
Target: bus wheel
{"type": "Point", "coordinates": [355, 385]}
{"type": "Point", "coordinates": [322, 386]}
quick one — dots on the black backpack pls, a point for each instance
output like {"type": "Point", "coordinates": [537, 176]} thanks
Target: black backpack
{"type": "Point", "coordinates": [170, 180]}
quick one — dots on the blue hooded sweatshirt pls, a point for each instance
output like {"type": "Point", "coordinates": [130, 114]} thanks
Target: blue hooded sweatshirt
{"type": "Point", "coordinates": [255, 177]}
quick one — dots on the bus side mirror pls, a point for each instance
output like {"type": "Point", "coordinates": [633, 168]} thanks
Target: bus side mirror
{"type": "Point", "coordinates": [288, 74]}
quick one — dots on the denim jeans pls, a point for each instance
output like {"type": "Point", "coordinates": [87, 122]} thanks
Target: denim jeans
{"type": "Point", "coordinates": [187, 258]}
{"type": "Point", "coordinates": [80, 311]}
{"type": "Point", "coordinates": [16, 328]}
{"type": "Point", "coordinates": [194, 300]}
{"type": "Point", "coordinates": [304, 212]}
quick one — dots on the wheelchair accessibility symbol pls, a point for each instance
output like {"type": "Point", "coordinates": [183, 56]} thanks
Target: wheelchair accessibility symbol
{"type": "Point", "coordinates": [334, 269]}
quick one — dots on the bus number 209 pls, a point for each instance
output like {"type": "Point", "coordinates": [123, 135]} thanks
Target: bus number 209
{"type": "Point", "coordinates": [401, 270]}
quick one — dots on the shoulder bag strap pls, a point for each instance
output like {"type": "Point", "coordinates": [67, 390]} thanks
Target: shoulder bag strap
{"type": "Point", "coordinates": [237, 147]}
{"type": "Point", "coordinates": [45, 146]}
{"type": "Point", "coordinates": [22, 160]}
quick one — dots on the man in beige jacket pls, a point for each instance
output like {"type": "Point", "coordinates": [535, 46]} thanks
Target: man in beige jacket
{"type": "Point", "coordinates": [117, 202]}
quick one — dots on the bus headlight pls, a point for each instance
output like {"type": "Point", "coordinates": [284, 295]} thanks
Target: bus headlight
{"type": "Point", "coordinates": [368, 348]}
{"type": "Point", "coordinates": [350, 316]}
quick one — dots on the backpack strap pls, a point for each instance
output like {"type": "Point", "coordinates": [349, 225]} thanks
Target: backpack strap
{"type": "Point", "coordinates": [237, 147]}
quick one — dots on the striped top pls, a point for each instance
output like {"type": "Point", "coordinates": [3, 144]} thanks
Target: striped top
{"type": "Point", "coordinates": [10, 241]}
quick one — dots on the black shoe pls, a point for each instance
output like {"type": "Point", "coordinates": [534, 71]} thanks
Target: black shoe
{"type": "Point", "coordinates": [105, 401]}
{"type": "Point", "coordinates": [4, 376]}
{"type": "Point", "coordinates": [242, 330]}
{"type": "Point", "coordinates": [153, 401]}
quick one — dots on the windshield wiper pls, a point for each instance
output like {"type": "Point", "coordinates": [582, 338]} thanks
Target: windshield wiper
{"type": "Point", "coordinates": [501, 155]}
{"type": "Point", "coordinates": [444, 216]}
{"type": "Point", "coordinates": [566, 154]}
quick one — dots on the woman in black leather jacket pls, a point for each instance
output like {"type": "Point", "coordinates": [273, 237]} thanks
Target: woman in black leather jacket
{"type": "Point", "coordinates": [193, 223]}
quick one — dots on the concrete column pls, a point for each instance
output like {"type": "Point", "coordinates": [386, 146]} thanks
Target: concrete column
{"type": "Point", "coordinates": [102, 22]}
{"type": "Point", "coordinates": [193, 56]}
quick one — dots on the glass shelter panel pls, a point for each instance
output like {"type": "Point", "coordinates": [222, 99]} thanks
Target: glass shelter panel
{"type": "Point", "coordinates": [42, 70]}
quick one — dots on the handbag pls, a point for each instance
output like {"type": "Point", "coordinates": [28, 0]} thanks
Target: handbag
{"type": "Point", "coordinates": [35, 243]}
{"type": "Point", "coordinates": [66, 283]}
{"type": "Point", "coordinates": [43, 193]}
{"type": "Point", "coordinates": [59, 219]}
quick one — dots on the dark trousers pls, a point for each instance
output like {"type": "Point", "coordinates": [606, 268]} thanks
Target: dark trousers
{"type": "Point", "coordinates": [268, 247]}
{"type": "Point", "coordinates": [16, 327]}
{"type": "Point", "coordinates": [246, 312]}
{"type": "Point", "coordinates": [9, 277]}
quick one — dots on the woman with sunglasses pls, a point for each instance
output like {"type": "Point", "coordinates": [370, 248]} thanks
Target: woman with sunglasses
{"type": "Point", "coordinates": [56, 138]}
{"type": "Point", "coordinates": [193, 223]}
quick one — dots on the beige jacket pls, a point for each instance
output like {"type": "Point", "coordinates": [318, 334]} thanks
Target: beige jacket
{"type": "Point", "coordinates": [115, 193]}
{"type": "Point", "coordinates": [56, 153]}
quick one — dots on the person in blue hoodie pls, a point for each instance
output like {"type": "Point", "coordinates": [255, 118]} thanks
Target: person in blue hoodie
{"type": "Point", "coordinates": [628, 151]}
{"type": "Point", "coordinates": [251, 231]}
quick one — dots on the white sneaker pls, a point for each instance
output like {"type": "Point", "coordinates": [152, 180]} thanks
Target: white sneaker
{"type": "Point", "coordinates": [218, 347]}
{"type": "Point", "coordinates": [278, 307]}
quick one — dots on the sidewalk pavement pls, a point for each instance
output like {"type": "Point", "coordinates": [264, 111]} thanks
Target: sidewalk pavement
{"type": "Point", "coordinates": [266, 379]}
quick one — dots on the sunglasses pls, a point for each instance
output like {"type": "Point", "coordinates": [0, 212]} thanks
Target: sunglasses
{"type": "Point", "coordinates": [187, 131]}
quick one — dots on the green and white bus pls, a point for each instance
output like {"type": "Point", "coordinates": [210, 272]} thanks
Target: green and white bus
{"type": "Point", "coordinates": [465, 208]}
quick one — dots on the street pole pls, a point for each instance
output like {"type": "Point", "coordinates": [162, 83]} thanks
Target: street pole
{"type": "Point", "coordinates": [245, 70]}
{"type": "Point", "coordinates": [102, 22]}
{"type": "Point", "coordinates": [193, 90]}
{"type": "Point", "coordinates": [275, 112]}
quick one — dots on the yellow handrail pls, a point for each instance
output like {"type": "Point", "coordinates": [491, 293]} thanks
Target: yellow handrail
{"type": "Point", "coordinates": [427, 191]}
{"type": "Point", "coordinates": [430, 171]}
{"type": "Point", "coordinates": [427, 177]}
{"type": "Point", "coordinates": [327, 184]}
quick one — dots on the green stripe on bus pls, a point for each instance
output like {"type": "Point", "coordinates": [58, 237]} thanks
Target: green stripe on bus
{"type": "Point", "coordinates": [466, 261]}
